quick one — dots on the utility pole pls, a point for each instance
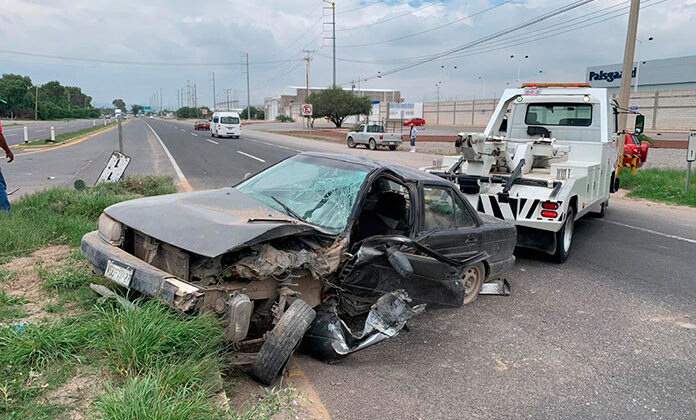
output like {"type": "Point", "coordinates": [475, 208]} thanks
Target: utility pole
{"type": "Point", "coordinates": [333, 35]}
{"type": "Point", "coordinates": [36, 103]}
{"type": "Point", "coordinates": [227, 92]}
{"type": "Point", "coordinates": [629, 49]}
{"type": "Point", "coordinates": [213, 91]}
{"type": "Point", "coordinates": [248, 96]}
{"type": "Point", "coordinates": [160, 100]}
{"type": "Point", "coordinates": [309, 60]}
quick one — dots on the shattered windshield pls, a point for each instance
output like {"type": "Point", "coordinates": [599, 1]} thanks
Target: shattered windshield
{"type": "Point", "coordinates": [317, 190]}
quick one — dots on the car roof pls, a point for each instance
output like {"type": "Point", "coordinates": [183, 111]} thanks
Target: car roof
{"type": "Point", "coordinates": [405, 172]}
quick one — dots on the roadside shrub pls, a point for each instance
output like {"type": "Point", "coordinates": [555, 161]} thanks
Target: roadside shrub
{"type": "Point", "coordinates": [659, 184]}
{"type": "Point", "coordinates": [284, 118]}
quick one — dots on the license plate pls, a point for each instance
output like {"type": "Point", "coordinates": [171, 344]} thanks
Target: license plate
{"type": "Point", "coordinates": [118, 274]}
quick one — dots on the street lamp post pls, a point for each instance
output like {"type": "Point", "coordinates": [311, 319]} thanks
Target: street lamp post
{"type": "Point", "coordinates": [437, 85]}
{"type": "Point", "coordinates": [519, 65]}
{"type": "Point", "coordinates": [640, 45]}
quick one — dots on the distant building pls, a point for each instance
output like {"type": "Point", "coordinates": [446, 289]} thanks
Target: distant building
{"type": "Point", "coordinates": [289, 104]}
{"type": "Point", "coordinates": [651, 75]}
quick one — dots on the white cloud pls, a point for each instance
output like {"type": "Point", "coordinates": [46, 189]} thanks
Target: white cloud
{"type": "Point", "coordinates": [215, 32]}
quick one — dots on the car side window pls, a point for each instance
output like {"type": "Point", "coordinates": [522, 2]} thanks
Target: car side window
{"type": "Point", "coordinates": [215, 119]}
{"type": "Point", "coordinates": [463, 216]}
{"type": "Point", "coordinates": [439, 208]}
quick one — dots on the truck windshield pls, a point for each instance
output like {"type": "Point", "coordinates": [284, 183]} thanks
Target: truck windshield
{"type": "Point", "coordinates": [318, 190]}
{"type": "Point", "coordinates": [574, 115]}
{"type": "Point", "coordinates": [229, 120]}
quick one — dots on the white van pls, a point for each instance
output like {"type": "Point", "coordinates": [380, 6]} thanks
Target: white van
{"type": "Point", "coordinates": [226, 124]}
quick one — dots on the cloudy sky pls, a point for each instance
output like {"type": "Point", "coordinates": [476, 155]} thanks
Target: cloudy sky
{"type": "Point", "coordinates": [131, 49]}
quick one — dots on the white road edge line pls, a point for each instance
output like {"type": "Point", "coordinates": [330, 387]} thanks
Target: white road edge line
{"type": "Point", "coordinates": [212, 141]}
{"type": "Point", "coordinates": [177, 169]}
{"type": "Point", "coordinates": [654, 232]}
{"type": "Point", "coordinates": [194, 134]}
{"type": "Point", "coordinates": [251, 156]}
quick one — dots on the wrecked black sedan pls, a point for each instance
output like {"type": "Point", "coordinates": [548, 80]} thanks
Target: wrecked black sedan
{"type": "Point", "coordinates": [304, 249]}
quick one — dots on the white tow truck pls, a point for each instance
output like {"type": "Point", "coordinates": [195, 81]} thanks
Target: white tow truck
{"type": "Point", "coordinates": [547, 157]}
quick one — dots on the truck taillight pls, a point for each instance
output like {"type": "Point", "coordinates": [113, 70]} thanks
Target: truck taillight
{"type": "Point", "coordinates": [219, 127]}
{"type": "Point", "coordinates": [549, 205]}
{"type": "Point", "coordinates": [381, 137]}
{"type": "Point", "coordinates": [549, 213]}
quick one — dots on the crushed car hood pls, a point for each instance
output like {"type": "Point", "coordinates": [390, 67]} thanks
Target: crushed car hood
{"type": "Point", "coordinates": [208, 223]}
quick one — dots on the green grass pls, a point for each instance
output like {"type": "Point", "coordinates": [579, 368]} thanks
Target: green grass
{"type": "Point", "coordinates": [11, 306]}
{"type": "Point", "coordinates": [63, 137]}
{"type": "Point", "coordinates": [63, 216]}
{"type": "Point", "coordinates": [665, 185]}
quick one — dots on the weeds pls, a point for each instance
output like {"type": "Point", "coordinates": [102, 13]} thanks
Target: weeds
{"type": "Point", "coordinates": [666, 185]}
{"type": "Point", "coordinates": [10, 306]}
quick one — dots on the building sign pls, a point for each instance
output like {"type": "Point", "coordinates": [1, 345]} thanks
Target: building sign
{"type": "Point", "coordinates": [406, 111]}
{"type": "Point", "coordinates": [609, 76]}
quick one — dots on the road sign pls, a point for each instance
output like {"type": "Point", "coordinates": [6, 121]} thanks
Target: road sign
{"type": "Point", "coordinates": [307, 110]}
{"type": "Point", "coordinates": [691, 148]}
{"type": "Point", "coordinates": [204, 111]}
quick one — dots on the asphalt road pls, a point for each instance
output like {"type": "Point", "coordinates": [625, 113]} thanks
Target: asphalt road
{"type": "Point", "coordinates": [608, 334]}
{"type": "Point", "coordinates": [14, 134]}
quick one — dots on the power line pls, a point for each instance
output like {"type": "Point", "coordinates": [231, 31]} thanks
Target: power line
{"type": "Point", "coordinates": [482, 40]}
{"type": "Point", "coordinates": [427, 30]}
{"type": "Point", "coordinates": [360, 7]}
{"type": "Point", "coordinates": [397, 16]}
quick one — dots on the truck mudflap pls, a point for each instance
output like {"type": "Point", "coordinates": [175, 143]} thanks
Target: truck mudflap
{"type": "Point", "coordinates": [330, 339]}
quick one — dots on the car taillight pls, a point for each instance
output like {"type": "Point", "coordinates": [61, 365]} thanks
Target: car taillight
{"type": "Point", "coordinates": [219, 127]}
{"type": "Point", "coordinates": [549, 205]}
{"type": "Point", "coordinates": [549, 213]}
{"type": "Point", "coordinates": [381, 137]}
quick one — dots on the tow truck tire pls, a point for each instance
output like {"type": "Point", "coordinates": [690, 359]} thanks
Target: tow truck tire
{"type": "Point", "coordinates": [350, 142]}
{"type": "Point", "coordinates": [473, 280]}
{"type": "Point", "coordinates": [392, 147]}
{"type": "Point", "coordinates": [602, 210]}
{"type": "Point", "coordinates": [372, 144]}
{"type": "Point", "coordinates": [564, 237]}
{"type": "Point", "coordinates": [282, 341]}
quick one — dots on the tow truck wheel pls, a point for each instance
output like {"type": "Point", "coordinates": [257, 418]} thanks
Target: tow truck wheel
{"type": "Point", "coordinates": [564, 237]}
{"type": "Point", "coordinates": [373, 144]}
{"type": "Point", "coordinates": [473, 280]}
{"type": "Point", "coordinates": [350, 142]}
{"type": "Point", "coordinates": [282, 341]}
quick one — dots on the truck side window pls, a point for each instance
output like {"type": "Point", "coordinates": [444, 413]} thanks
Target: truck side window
{"type": "Point", "coordinates": [361, 128]}
{"type": "Point", "coordinates": [215, 119]}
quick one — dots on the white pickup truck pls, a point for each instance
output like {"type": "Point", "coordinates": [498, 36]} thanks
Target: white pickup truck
{"type": "Point", "coordinates": [372, 136]}
{"type": "Point", "coordinates": [547, 157]}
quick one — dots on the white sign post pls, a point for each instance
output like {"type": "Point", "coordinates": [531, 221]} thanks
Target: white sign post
{"type": "Point", "coordinates": [690, 156]}
{"type": "Point", "coordinates": [307, 112]}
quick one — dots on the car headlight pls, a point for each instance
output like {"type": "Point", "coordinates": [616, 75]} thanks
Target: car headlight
{"type": "Point", "coordinates": [110, 230]}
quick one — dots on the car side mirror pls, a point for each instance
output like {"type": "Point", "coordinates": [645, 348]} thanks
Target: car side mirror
{"type": "Point", "coordinates": [401, 264]}
{"type": "Point", "coordinates": [640, 123]}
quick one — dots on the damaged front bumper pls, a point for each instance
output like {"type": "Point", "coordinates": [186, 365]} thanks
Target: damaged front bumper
{"type": "Point", "coordinates": [146, 278]}
{"type": "Point", "coordinates": [329, 338]}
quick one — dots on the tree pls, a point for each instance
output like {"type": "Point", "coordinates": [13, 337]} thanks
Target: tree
{"type": "Point", "coordinates": [118, 103]}
{"type": "Point", "coordinates": [256, 113]}
{"type": "Point", "coordinates": [135, 109]}
{"type": "Point", "coordinates": [14, 88]}
{"type": "Point", "coordinates": [336, 104]}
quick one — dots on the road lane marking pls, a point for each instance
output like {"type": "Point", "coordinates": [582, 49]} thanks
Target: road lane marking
{"type": "Point", "coordinates": [654, 232]}
{"type": "Point", "coordinates": [179, 173]}
{"type": "Point", "coordinates": [212, 141]}
{"type": "Point", "coordinates": [194, 134]}
{"type": "Point", "coordinates": [251, 156]}
{"type": "Point", "coordinates": [274, 145]}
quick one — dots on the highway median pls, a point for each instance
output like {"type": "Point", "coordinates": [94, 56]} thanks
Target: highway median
{"type": "Point", "coordinates": [69, 137]}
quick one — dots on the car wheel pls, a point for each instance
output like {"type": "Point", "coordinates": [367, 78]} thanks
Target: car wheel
{"type": "Point", "coordinates": [564, 237]}
{"type": "Point", "coordinates": [282, 340]}
{"type": "Point", "coordinates": [350, 142]}
{"type": "Point", "coordinates": [372, 144]}
{"type": "Point", "coordinates": [212, 134]}
{"type": "Point", "coordinates": [392, 147]}
{"type": "Point", "coordinates": [473, 280]}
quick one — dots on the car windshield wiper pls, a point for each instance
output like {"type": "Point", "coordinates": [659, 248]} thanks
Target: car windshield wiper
{"type": "Point", "coordinates": [288, 210]}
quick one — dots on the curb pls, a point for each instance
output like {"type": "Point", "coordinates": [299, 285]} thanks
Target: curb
{"type": "Point", "coordinates": [301, 383]}
{"type": "Point", "coordinates": [71, 141]}
{"type": "Point", "coordinates": [77, 140]}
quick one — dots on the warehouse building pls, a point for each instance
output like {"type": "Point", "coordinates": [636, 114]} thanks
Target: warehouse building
{"type": "Point", "coordinates": [650, 75]}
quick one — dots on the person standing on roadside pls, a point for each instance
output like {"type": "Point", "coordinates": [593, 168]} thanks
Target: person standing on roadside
{"type": "Point", "coordinates": [412, 135]}
{"type": "Point", "coordinates": [4, 202]}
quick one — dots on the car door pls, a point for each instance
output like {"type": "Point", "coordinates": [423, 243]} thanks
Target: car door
{"type": "Point", "coordinates": [214, 127]}
{"type": "Point", "coordinates": [448, 224]}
